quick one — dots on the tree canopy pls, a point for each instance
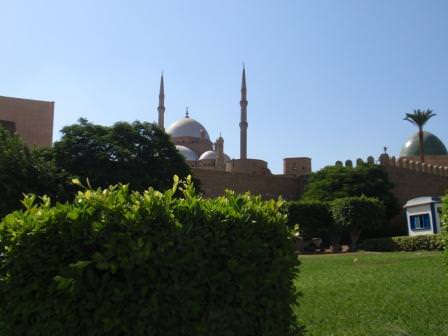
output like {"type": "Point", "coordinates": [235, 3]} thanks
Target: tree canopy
{"type": "Point", "coordinates": [24, 170]}
{"type": "Point", "coordinates": [419, 117]}
{"type": "Point", "coordinates": [334, 182]}
{"type": "Point", "coordinates": [139, 154]}
{"type": "Point", "coordinates": [355, 214]}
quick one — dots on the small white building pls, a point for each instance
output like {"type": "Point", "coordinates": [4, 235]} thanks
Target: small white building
{"type": "Point", "coordinates": [423, 215]}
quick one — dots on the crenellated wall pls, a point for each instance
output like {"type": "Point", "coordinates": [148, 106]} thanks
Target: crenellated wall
{"type": "Point", "coordinates": [411, 178]}
{"type": "Point", "coordinates": [414, 165]}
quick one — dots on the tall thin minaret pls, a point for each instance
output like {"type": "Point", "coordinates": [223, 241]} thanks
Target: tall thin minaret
{"type": "Point", "coordinates": [243, 119]}
{"type": "Point", "coordinates": [161, 107]}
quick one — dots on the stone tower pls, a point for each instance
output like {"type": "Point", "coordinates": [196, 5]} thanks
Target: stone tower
{"type": "Point", "coordinates": [161, 107]}
{"type": "Point", "coordinates": [243, 119]}
{"type": "Point", "coordinates": [219, 148]}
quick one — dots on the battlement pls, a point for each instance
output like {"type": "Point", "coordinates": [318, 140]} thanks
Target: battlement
{"type": "Point", "coordinates": [402, 163]}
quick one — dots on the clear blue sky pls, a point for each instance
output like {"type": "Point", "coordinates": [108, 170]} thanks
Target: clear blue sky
{"type": "Point", "coordinates": [327, 79]}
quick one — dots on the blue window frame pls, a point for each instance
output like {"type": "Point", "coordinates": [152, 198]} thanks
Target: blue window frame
{"type": "Point", "coordinates": [420, 222]}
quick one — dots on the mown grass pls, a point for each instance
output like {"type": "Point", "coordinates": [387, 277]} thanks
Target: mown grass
{"type": "Point", "coordinates": [369, 294]}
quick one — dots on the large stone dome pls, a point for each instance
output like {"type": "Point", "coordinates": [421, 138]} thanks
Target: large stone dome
{"type": "Point", "coordinates": [432, 145]}
{"type": "Point", "coordinates": [187, 153]}
{"type": "Point", "coordinates": [187, 127]}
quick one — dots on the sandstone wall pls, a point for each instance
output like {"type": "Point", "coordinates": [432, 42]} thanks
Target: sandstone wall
{"type": "Point", "coordinates": [412, 178]}
{"type": "Point", "coordinates": [213, 183]}
{"type": "Point", "coordinates": [410, 184]}
{"type": "Point", "coordinates": [437, 160]}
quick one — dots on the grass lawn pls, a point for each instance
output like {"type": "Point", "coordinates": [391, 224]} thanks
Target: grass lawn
{"type": "Point", "coordinates": [363, 294]}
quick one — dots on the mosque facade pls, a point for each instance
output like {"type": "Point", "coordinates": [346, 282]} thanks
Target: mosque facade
{"type": "Point", "coordinates": [193, 141]}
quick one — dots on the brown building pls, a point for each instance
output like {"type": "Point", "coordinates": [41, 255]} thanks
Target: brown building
{"type": "Point", "coordinates": [32, 120]}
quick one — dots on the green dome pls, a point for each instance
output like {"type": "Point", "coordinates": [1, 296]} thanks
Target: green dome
{"type": "Point", "coordinates": [432, 145]}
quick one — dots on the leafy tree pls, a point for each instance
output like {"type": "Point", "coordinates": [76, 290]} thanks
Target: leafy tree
{"type": "Point", "coordinates": [419, 118]}
{"type": "Point", "coordinates": [334, 182]}
{"type": "Point", "coordinates": [24, 170]}
{"type": "Point", "coordinates": [356, 213]}
{"type": "Point", "coordinates": [139, 154]}
{"type": "Point", "coordinates": [14, 166]}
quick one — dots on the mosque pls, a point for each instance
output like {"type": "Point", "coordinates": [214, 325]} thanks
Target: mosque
{"type": "Point", "coordinates": [216, 171]}
{"type": "Point", "coordinates": [193, 142]}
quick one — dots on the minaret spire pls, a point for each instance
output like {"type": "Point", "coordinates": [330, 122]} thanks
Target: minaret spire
{"type": "Point", "coordinates": [161, 107]}
{"type": "Point", "coordinates": [243, 118]}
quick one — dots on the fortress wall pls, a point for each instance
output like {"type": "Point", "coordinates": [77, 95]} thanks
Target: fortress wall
{"type": "Point", "coordinates": [410, 183]}
{"type": "Point", "coordinates": [213, 183]}
{"type": "Point", "coordinates": [437, 160]}
{"type": "Point", "coordinates": [412, 178]}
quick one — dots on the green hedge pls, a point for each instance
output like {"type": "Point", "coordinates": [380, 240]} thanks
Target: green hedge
{"type": "Point", "coordinates": [445, 228]}
{"type": "Point", "coordinates": [116, 262]}
{"type": "Point", "coordinates": [313, 217]}
{"type": "Point", "coordinates": [403, 243]}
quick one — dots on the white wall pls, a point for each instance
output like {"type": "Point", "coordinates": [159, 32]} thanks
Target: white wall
{"type": "Point", "coordinates": [419, 210]}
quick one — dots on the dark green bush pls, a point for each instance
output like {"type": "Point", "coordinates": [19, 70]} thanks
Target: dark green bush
{"type": "Point", "coordinates": [116, 262]}
{"type": "Point", "coordinates": [313, 217]}
{"type": "Point", "coordinates": [24, 170]}
{"type": "Point", "coordinates": [355, 214]}
{"type": "Point", "coordinates": [445, 228]}
{"type": "Point", "coordinates": [403, 243]}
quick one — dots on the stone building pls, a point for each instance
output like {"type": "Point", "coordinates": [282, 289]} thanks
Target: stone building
{"type": "Point", "coordinates": [31, 119]}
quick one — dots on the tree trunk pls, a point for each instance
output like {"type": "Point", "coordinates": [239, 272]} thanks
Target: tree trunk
{"type": "Point", "coordinates": [354, 236]}
{"type": "Point", "coordinates": [335, 239]}
{"type": "Point", "coordinates": [420, 136]}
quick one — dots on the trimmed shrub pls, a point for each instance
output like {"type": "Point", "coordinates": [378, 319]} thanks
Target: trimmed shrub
{"type": "Point", "coordinates": [403, 243]}
{"type": "Point", "coordinates": [445, 228]}
{"type": "Point", "coordinates": [355, 214]}
{"type": "Point", "coordinates": [116, 262]}
{"type": "Point", "coordinates": [313, 217]}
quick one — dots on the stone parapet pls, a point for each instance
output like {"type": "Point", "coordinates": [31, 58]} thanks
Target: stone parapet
{"type": "Point", "coordinates": [404, 164]}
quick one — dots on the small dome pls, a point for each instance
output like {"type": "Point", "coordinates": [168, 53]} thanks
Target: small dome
{"type": "Point", "coordinates": [432, 145]}
{"type": "Point", "coordinates": [208, 155]}
{"type": "Point", "coordinates": [211, 155]}
{"type": "Point", "coordinates": [187, 127]}
{"type": "Point", "coordinates": [187, 153]}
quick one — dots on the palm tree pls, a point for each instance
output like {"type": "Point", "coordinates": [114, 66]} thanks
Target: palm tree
{"type": "Point", "coordinates": [419, 118]}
